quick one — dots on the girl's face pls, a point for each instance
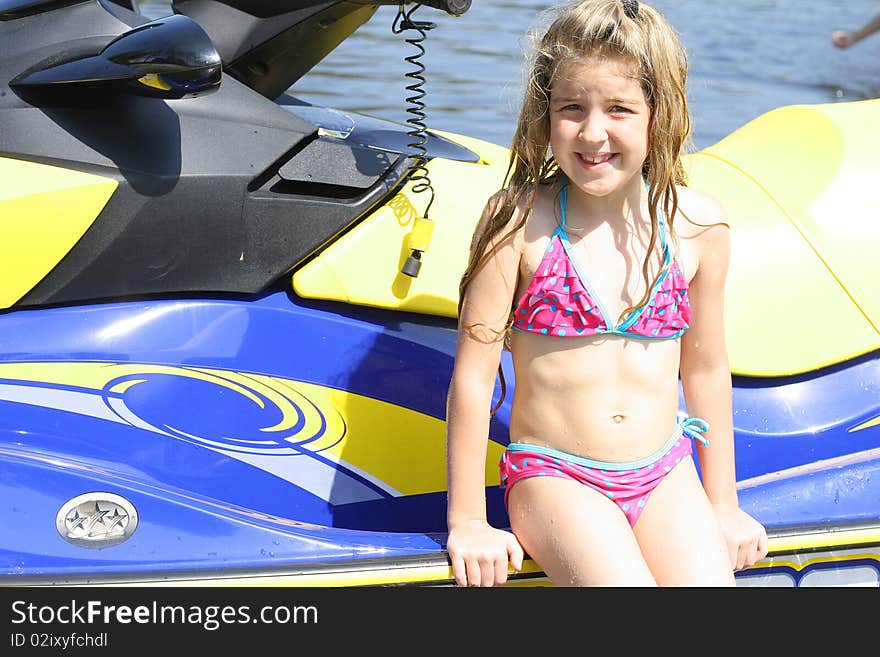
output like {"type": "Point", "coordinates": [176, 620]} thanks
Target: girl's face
{"type": "Point", "coordinates": [599, 120]}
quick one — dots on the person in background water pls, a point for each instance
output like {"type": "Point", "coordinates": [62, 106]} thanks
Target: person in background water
{"type": "Point", "coordinates": [844, 39]}
{"type": "Point", "coordinates": [576, 267]}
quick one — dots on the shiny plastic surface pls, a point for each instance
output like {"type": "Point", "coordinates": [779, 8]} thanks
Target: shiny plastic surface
{"type": "Point", "coordinates": [797, 187]}
{"type": "Point", "coordinates": [169, 58]}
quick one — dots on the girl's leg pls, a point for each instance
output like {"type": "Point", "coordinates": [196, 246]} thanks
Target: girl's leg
{"type": "Point", "coordinates": [577, 535]}
{"type": "Point", "coordinates": [679, 533]}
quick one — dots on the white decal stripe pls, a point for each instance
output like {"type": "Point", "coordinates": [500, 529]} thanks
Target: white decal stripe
{"type": "Point", "coordinates": [82, 403]}
{"type": "Point", "coordinates": [363, 473]}
{"type": "Point", "coordinates": [317, 477]}
{"type": "Point", "coordinates": [120, 407]}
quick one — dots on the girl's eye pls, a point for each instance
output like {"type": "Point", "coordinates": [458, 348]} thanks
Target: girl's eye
{"type": "Point", "coordinates": [626, 109]}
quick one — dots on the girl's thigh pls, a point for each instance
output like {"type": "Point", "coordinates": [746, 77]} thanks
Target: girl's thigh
{"type": "Point", "coordinates": [577, 535]}
{"type": "Point", "coordinates": [679, 533]}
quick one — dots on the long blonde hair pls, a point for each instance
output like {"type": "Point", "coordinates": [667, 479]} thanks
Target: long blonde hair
{"type": "Point", "coordinates": [580, 30]}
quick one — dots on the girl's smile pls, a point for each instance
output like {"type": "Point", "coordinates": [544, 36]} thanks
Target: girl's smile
{"type": "Point", "coordinates": [593, 162]}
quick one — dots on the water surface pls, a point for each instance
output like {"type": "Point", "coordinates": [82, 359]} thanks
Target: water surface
{"type": "Point", "coordinates": [746, 58]}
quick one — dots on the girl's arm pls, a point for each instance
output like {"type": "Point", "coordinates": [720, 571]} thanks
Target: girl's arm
{"type": "Point", "coordinates": [708, 390]}
{"type": "Point", "coordinates": [479, 552]}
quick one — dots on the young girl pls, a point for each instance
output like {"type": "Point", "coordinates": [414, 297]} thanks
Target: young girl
{"type": "Point", "coordinates": [576, 262]}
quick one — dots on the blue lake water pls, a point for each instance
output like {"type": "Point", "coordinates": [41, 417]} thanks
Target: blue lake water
{"type": "Point", "coordinates": [746, 58]}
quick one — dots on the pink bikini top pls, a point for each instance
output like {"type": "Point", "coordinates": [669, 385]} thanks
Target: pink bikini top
{"type": "Point", "coordinates": [559, 300]}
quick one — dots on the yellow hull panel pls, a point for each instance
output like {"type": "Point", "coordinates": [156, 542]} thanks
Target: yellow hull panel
{"type": "Point", "coordinates": [44, 211]}
{"type": "Point", "coordinates": [799, 185]}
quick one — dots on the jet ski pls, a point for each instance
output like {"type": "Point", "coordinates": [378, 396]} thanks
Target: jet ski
{"type": "Point", "coordinates": [228, 316]}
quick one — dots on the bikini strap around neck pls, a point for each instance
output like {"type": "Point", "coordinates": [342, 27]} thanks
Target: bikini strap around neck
{"type": "Point", "coordinates": [563, 201]}
{"type": "Point", "coordinates": [664, 239]}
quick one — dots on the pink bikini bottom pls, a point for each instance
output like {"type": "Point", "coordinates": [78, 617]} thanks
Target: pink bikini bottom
{"type": "Point", "coordinates": [628, 484]}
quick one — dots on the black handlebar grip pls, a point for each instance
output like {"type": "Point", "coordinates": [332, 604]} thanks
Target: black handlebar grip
{"type": "Point", "coordinates": [454, 7]}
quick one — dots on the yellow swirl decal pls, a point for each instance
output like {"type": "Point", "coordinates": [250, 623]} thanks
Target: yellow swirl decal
{"type": "Point", "coordinates": [341, 446]}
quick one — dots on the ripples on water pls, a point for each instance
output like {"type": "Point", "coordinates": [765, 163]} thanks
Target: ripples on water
{"type": "Point", "coordinates": [746, 56]}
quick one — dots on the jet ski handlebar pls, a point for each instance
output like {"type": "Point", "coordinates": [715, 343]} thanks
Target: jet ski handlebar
{"type": "Point", "coordinates": [452, 7]}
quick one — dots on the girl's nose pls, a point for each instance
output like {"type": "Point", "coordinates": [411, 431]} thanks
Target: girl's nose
{"type": "Point", "coordinates": [593, 130]}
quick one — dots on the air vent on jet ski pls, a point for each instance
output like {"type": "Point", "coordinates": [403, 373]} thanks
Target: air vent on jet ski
{"type": "Point", "coordinates": [335, 168]}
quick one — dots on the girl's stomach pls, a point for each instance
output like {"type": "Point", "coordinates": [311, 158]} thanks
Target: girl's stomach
{"type": "Point", "coordinates": [604, 398]}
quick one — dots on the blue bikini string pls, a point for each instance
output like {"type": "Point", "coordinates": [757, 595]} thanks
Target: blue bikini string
{"type": "Point", "coordinates": [692, 427]}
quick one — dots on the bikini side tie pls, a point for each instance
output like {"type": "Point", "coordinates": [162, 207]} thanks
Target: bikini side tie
{"type": "Point", "coordinates": [692, 427]}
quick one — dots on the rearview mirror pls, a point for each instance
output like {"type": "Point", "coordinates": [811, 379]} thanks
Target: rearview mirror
{"type": "Point", "coordinates": [171, 57]}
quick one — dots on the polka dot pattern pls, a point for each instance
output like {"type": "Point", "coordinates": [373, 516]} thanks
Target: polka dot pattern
{"type": "Point", "coordinates": [557, 303]}
{"type": "Point", "coordinates": [629, 489]}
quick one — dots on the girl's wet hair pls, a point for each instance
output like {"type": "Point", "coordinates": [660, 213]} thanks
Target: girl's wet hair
{"type": "Point", "coordinates": [640, 36]}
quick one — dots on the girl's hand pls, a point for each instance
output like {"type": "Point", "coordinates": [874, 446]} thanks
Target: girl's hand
{"type": "Point", "coordinates": [480, 554]}
{"type": "Point", "coordinates": [746, 538]}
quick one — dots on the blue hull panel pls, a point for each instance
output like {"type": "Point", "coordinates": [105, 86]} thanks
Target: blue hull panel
{"type": "Point", "coordinates": [237, 430]}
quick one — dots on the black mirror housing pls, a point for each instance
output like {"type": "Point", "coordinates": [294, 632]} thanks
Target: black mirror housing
{"type": "Point", "coordinates": [170, 58]}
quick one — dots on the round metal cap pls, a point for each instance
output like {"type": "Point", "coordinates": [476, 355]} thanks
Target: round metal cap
{"type": "Point", "coordinates": [96, 520]}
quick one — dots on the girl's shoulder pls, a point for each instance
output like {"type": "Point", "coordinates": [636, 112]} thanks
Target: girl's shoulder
{"type": "Point", "coordinates": [526, 207]}
{"type": "Point", "coordinates": [698, 213]}
{"type": "Point", "coordinates": [702, 231]}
